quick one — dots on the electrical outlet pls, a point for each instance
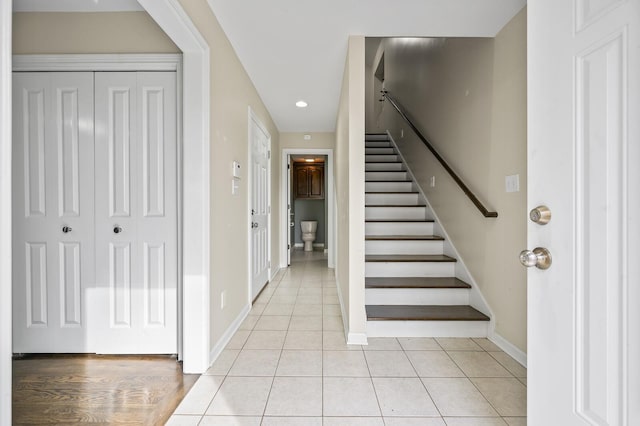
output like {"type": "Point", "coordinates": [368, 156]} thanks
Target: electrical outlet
{"type": "Point", "coordinates": [432, 182]}
{"type": "Point", "coordinates": [223, 300]}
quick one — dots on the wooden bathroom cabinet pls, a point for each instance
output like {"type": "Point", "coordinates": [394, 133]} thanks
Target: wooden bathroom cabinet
{"type": "Point", "coordinates": [308, 181]}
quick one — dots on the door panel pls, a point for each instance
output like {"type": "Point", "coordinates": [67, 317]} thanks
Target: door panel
{"type": "Point", "coordinates": [260, 205]}
{"type": "Point", "coordinates": [53, 169]}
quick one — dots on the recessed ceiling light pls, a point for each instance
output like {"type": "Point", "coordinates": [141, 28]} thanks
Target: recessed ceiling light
{"type": "Point", "coordinates": [301, 104]}
{"type": "Point", "coordinates": [309, 160]}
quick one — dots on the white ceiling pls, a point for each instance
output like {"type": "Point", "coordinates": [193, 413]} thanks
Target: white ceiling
{"type": "Point", "coordinates": [295, 49]}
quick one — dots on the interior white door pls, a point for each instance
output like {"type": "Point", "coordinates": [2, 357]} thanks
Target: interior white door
{"type": "Point", "coordinates": [134, 305]}
{"type": "Point", "coordinates": [584, 109]}
{"type": "Point", "coordinates": [52, 210]}
{"type": "Point", "coordinates": [290, 214]}
{"type": "Point", "coordinates": [260, 205]}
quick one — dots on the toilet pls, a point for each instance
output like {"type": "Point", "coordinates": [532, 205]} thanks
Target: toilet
{"type": "Point", "coordinates": [309, 228]}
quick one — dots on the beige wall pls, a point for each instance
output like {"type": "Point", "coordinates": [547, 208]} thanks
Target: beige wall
{"type": "Point", "coordinates": [319, 140]}
{"type": "Point", "coordinates": [468, 96]}
{"type": "Point", "coordinates": [350, 192]}
{"type": "Point", "coordinates": [232, 92]}
{"type": "Point", "coordinates": [112, 32]}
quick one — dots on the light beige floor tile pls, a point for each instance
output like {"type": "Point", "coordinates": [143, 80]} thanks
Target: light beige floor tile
{"type": "Point", "coordinates": [263, 298]}
{"type": "Point", "coordinates": [382, 344]}
{"type": "Point", "coordinates": [307, 310]}
{"type": "Point", "coordinates": [183, 420]}
{"type": "Point", "coordinates": [478, 364]}
{"type": "Point", "coordinates": [331, 310]}
{"type": "Point", "coordinates": [200, 395]}
{"type": "Point", "coordinates": [330, 291]}
{"type": "Point", "coordinates": [303, 340]}
{"type": "Point", "coordinates": [280, 300]}
{"type": "Point", "coordinates": [249, 322]}
{"type": "Point", "coordinates": [278, 309]}
{"type": "Point", "coordinates": [289, 284]}
{"type": "Point", "coordinates": [241, 396]}
{"type": "Point", "coordinates": [508, 396]}
{"type": "Point", "coordinates": [292, 421]}
{"type": "Point", "coordinates": [223, 363]}
{"type": "Point", "coordinates": [335, 341]}
{"type": "Point", "coordinates": [285, 291]}
{"type": "Point", "coordinates": [474, 421]}
{"type": "Point", "coordinates": [257, 308]}
{"type": "Point", "coordinates": [295, 396]}
{"type": "Point", "coordinates": [251, 362]}
{"type": "Point", "coordinates": [515, 421]}
{"type": "Point", "coordinates": [403, 397]}
{"type": "Point", "coordinates": [487, 345]}
{"type": "Point", "coordinates": [344, 364]}
{"type": "Point", "coordinates": [353, 421]}
{"type": "Point", "coordinates": [523, 380]}
{"type": "Point", "coordinates": [238, 340]}
{"type": "Point", "coordinates": [300, 363]}
{"type": "Point", "coordinates": [349, 397]}
{"type": "Point", "coordinates": [458, 397]}
{"type": "Point", "coordinates": [389, 364]}
{"type": "Point", "coordinates": [414, 421]}
{"type": "Point", "coordinates": [231, 421]}
{"type": "Point", "coordinates": [312, 284]}
{"type": "Point", "coordinates": [419, 344]}
{"type": "Point", "coordinates": [305, 323]}
{"type": "Point", "coordinates": [458, 344]}
{"type": "Point", "coordinates": [510, 364]}
{"type": "Point", "coordinates": [310, 291]}
{"type": "Point", "coordinates": [309, 300]}
{"type": "Point", "coordinates": [434, 364]}
{"type": "Point", "coordinates": [273, 322]}
{"type": "Point", "coordinates": [265, 340]}
{"type": "Point", "coordinates": [332, 323]}
{"type": "Point", "coordinates": [330, 300]}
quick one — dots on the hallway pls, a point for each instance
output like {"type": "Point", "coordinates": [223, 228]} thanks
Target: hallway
{"type": "Point", "coordinates": [289, 365]}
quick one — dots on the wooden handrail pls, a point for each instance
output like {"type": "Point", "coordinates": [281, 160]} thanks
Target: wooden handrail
{"type": "Point", "coordinates": [485, 212]}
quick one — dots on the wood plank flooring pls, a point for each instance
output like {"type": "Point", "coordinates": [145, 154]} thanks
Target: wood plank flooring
{"type": "Point", "coordinates": [92, 389]}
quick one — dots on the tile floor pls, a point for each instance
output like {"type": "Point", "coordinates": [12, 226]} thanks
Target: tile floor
{"type": "Point", "coordinates": [288, 364]}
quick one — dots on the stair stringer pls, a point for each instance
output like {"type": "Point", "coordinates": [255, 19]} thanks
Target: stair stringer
{"type": "Point", "coordinates": [476, 298]}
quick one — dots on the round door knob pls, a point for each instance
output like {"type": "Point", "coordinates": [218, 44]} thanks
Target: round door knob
{"type": "Point", "coordinates": [117, 229]}
{"type": "Point", "coordinates": [66, 229]}
{"type": "Point", "coordinates": [540, 257]}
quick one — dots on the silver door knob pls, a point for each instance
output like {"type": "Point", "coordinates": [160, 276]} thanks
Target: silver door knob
{"type": "Point", "coordinates": [66, 229]}
{"type": "Point", "coordinates": [117, 229]}
{"type": "Point", "coordinates": [254, 224]}
{"type": "Point", "coordinates": [540, 257]}
{"type": "Point", "coordinates": [540, 215]}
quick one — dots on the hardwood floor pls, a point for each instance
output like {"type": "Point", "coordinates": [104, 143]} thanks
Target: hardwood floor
{"type": "Point", "coordinates": [70, 389]}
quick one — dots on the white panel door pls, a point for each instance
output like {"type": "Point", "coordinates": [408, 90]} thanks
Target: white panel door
{"type": "Point", "coordinates": [583, 150]}
{"type": "Point", "coordinates": [260, 205]}
{"type": "Point", "coordinates": [134, 306]}
{"type": "Point", "coordinates": [52, 210]}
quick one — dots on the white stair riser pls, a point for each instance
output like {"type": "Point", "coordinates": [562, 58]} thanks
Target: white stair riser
{"type": "Point", "coordinates": [381, 158]}
{"type": "Point", "coordinates": [403, 247]}
{"type": "Point", "coordinates": [395, 213]}
{"type": "Point", "coordinates": [398, 228]}
{"type": "Point", "coordinates": [392, 199]}
{"type": "Point", "coordinates": [381, 137]}
{"type": "Point", "coordinates": [416, 296]}
{"type": "Point", "coordinates": [389, 150]}
{"type": "Point", "coordinates": [385, 176]}
{"type": "Point", "coordinates": [383, 167]}
{"type": "Point", "coordinates": [427, 328]}
{"type": "Point", "coordinates": [388, 186]}
{"type": "Point", "coordinates": [409, 269]}
{"type": "Point", "coordinates": [378, 144]}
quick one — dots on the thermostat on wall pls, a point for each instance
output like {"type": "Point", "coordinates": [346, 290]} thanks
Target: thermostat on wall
{"type": "Point", "coordinates": [236, 170]}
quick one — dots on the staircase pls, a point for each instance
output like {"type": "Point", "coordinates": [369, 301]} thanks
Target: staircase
{"type": "Point", "coordinates": [411, 285]}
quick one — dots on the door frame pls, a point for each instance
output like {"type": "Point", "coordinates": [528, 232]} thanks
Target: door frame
{"type": "Point", "coordinates": [253, 117]}
{"type": "Point", "coordinates": [329, 199]}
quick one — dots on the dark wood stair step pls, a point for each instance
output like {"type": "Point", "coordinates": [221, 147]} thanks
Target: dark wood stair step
{"type": "Point", "coordinates": [408, 258]}
{"type": "Point", "coordinates": [415, 282]}
{"type": "Point", "coordinates": [403, 238]}
{"type": "Point", "coordinates": [424, 313]}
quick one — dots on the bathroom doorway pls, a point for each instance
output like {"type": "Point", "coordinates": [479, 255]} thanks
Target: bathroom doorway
{"type": "Point", "coordinates": [308, 195]}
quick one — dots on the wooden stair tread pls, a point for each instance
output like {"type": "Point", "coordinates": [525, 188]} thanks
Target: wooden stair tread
{"type": "Point", "coordinates": [415, 282]}
{"type": "Point", "coordinates": [408, 258]}
{"type": "Point", "coordinates": [398, 220]}
{"type": "Point", "coordinates": [424, 313]}
{"type": "Point", "coordinates": [403, 237]}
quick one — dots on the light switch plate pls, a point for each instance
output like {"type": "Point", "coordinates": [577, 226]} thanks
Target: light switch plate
{"type": "Point", "coordinates": [512, 183]}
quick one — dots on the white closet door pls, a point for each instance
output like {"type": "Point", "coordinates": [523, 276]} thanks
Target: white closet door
{"type": "Point", "coordinates": [260, 204]}
{"type": "Point", "coordinates": [134, 305]}
{"type": "Point", "coordinates": [52, 191]}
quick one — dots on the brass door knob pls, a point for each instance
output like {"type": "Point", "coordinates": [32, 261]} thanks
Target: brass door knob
{"type": "Point", "coordinates": [540, 257]}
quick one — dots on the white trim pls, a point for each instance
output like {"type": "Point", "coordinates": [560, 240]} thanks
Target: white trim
{"type": "Point", "coordinates": [357, 339]}
{"type": "Point", "coordinates": [76, 6]}
{"type": "Point", "coordinates": [175, 22]}
{"type": "Point", "coordinates": [508, 347]}
{"type": "Point", "coordinates": [5, 213]}
{"type": "Point", "coordinates": [351, 338]}
{"type": "Point", "coordinates": [98, 62]}
{"type": "Point", "coordinates": [329, 199]}
{"type": "Point", "coordinates": [228, 334]}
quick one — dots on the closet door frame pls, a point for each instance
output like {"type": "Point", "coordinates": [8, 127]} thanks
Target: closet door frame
{"type": "Point", "coordinates": [127, 62]}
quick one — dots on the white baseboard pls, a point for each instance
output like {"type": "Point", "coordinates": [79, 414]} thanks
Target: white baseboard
{"type": "Point", "coordinates": [228, 334]}
{"type": "Point", "coordinates": [314, 244]}
{"type": "Point", "coordinates": [352, 338]}
{"type": "Point", "coordinates": [509, 348]}
{"type": "Point", "coordinates": [357, 339]}
{"type": "Point", "coordinates": [274, 272]}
